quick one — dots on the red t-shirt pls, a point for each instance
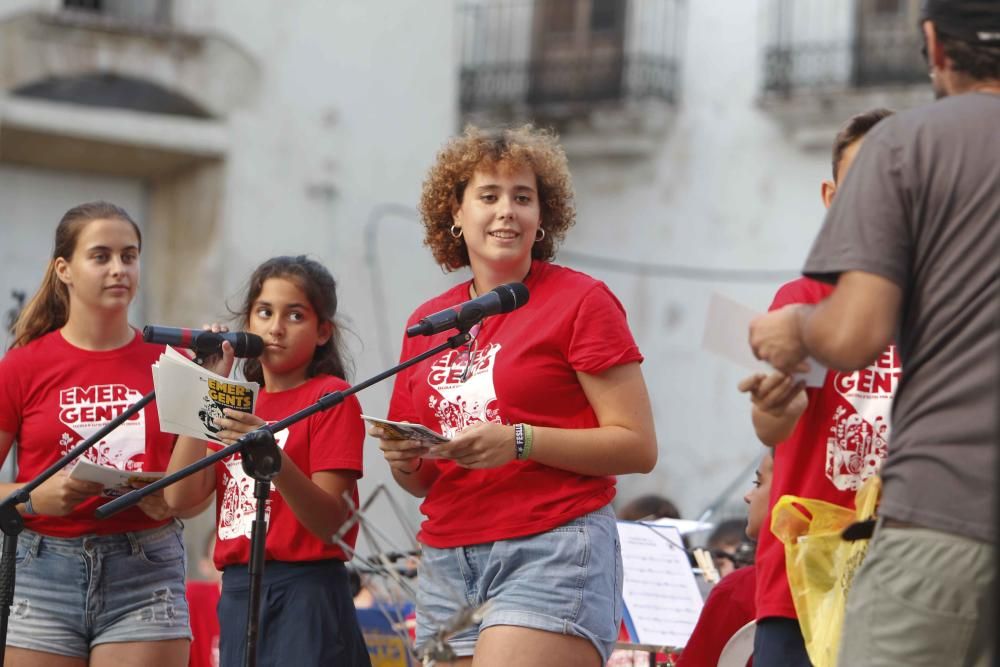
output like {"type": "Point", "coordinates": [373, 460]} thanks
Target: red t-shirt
{"type": "Point", "coordinates": [54, 395]}
{"type": "Point", "coordinates": [203, 602]}
{"type": "Point", "coordinates": [839, 441]}
{"type": "Point", "coordinates": [729, 606]}
{"type": "Point", "coordinates": [327, 440]}
{"type": "Point", "coordinates": [522, 368]}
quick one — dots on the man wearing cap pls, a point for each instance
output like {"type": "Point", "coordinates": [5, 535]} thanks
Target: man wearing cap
{"type": "Point", "coordinates": [912, 243]}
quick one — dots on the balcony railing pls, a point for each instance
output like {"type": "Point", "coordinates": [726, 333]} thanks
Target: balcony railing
{"type": "Point", "coordinates": [836, 44]}
{"type": "Point", "coordinates": [561, 57]}
{"type": "Point", "coordinates": [135, 12]}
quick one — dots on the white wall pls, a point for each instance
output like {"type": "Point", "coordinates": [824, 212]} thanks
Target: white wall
{"type": "Point", "coordinates": [725, 190]}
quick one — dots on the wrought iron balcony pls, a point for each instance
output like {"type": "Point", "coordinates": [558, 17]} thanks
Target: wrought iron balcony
{"type": "Point", "coordinates": [556, 59]}
{"type": "Point", "coordinates": [145, 13]}
{"type": "Point", "coordinates": [829, 44]}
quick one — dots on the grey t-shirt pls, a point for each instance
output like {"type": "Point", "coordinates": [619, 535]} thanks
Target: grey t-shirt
{"type": "Point", "coordinates": [921, 207]}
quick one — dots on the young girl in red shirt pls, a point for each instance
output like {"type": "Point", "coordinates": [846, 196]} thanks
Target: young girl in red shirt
{"type": "Point", "coordinates": [88, 591]}
{"type": "Point", "coordinates": [307, 613]}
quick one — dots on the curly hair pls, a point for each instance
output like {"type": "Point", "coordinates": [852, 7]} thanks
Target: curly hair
{"type": "Point", "coordinates": [488, 149]}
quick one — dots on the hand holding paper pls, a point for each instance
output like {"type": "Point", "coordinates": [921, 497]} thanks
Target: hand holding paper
{"type": "Point", "coordinates": [777, 394]}
{"type": "Point", "coordinates": [776, 338]}
{"type": "Point", "coordinates": [404, 430]}
{"type": "Point", "coordinates": [115, 482]}
{"type": "Point", "coordinates": [190, 398]}
{"type": "Point", "coordinates": [401, 452]}
{"type": "Point", "coordinates": [60, 494]}
{"type": "Point", "coordinates": [234, 424]}
{"type": "Point", "coordinates": [726, 330]}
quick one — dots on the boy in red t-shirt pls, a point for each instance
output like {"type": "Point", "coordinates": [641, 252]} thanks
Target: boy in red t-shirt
{"type": "Point", "coordinates": [731, 605]}
{"type": "Point", "coordinates": [826, 440]}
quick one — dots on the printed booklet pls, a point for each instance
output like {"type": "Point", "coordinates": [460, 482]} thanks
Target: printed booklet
{"type": "Point", "coordinates": [116, 482]}
{"type": "Point", "coordinates": [405, 430]}
{"type": "Point", "coordinates": [189, 397]}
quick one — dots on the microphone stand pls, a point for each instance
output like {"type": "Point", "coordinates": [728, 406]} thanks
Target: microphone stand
{"type": "Point", "coordinates": [262, 461]}
{"type": "Point", "coordinates": [12, 523]}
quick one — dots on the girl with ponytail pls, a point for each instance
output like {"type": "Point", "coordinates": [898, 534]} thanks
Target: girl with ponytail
{"type": "Point", "coordinates": [89, 592]}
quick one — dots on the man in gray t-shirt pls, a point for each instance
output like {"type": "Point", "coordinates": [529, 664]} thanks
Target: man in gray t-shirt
{"type": "Point", "coordinates": [913, 244]}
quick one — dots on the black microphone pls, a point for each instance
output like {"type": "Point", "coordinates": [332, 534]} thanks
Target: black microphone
{"type": "Point", "coordinates": [502, 299]}
{"type": "Point", "coordinates": [205, 343]}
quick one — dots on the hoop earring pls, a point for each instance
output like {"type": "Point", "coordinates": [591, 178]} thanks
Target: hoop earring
{"type": "Point", "coordinates": [540, 234]}
{"type": "Point", "coordinates": [455, 234]}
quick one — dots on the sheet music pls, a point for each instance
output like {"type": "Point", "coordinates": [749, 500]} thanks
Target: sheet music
{"type": "Point", "coordinates": [662, 602]}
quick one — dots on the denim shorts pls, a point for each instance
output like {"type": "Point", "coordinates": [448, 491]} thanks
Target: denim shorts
{"type": "Point", "coordinates": [72, 594]}
{"type": "Point", "coordinates": [567, 580]}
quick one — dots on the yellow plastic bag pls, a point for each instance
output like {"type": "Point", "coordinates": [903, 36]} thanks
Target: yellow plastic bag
{"type": "Point", "coordinates": [820, 564]}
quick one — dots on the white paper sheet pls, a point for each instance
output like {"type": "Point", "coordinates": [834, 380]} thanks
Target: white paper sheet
{"type": "Point", "coordinates": [727, 330]}
{"type": "Point", "coordinates": [115, 481]}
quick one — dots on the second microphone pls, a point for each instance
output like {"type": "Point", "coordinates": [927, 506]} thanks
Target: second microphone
{"type": "Point", "coordinates": [502, 299]}
{"type": "Point", "coordinates": [205, 343]}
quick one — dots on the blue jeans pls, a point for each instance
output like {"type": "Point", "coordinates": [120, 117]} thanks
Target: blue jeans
{"type": "Point", "coordinates": [72, 594]}
{"type": "Point", "coordinates": [306, 617]}
{"type": "Point", "coordinates": [567, 580]}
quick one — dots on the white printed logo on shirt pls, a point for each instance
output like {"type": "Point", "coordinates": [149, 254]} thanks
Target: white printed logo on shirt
{"type": "Point", "coordinates": [85, 410]}
{"type": "Point", "coordinates": [239, 507]}
{"type": "Point", "coordinates": [458, 404]}
{"type": "Point", "coordinates": [859, 440]}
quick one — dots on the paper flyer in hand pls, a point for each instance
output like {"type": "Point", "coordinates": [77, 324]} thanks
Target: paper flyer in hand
{"type": "Point", "coordinates": [405, 430]}
{"type": "Point", "coordinates": [189, 397]}
{"type": "Point", "coordinates": [727, 334]}
{"type": "Point", "coordinates": [116, 482]}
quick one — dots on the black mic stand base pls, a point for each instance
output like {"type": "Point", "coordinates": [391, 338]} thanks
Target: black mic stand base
{"type": "Point", "coordinates": [12, 524]}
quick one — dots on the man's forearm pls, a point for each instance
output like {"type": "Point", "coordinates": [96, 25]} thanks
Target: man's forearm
{"type": "Point", "coordinates": [837, 339]}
